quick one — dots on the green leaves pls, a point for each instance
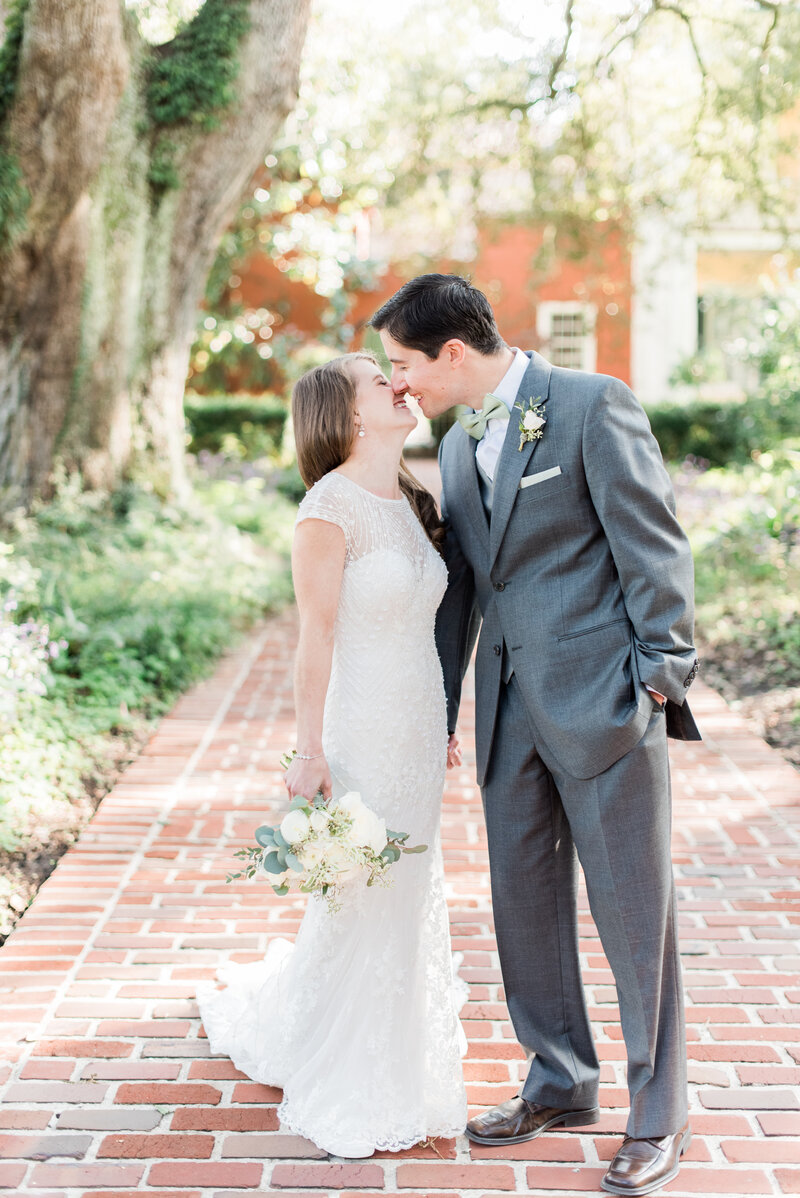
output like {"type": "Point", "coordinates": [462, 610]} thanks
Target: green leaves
{"type": "Point", "coordinates": [397, 840]}
{"type": "Point", "coordinates": [191, 78]}
{"type": "Point", "coordinates": [274, 863]}
{"type": "Point", "coordinates": [10, 46]}
{"type": "Point", "coordinates": [265, 836]}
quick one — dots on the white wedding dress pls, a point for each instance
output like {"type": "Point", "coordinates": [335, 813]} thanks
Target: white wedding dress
{"type": "Point", "coordinates": [358, 1020]}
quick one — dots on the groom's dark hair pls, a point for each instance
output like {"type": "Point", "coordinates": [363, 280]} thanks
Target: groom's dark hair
{"type": "Point", "coordinates": [429, 310]}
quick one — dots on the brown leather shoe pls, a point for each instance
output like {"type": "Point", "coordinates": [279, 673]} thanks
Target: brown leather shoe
{"type": "Point", "coordinates": [518, 1120]}
{"type": "Point", "coordinates": [642, 1166]}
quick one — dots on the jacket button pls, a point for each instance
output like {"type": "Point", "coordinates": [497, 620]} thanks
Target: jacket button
{"type": "Point", "coordinates": [499, 586]}
{"type": "Point", "coordinates": [497, 650]}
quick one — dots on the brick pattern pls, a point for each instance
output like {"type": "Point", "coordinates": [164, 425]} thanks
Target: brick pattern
{"type": "Point", "coordinates": [109, 1087]}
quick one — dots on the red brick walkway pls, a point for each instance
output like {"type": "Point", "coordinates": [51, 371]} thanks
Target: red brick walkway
{"type": "Point", "coordinates": [110, 1088]}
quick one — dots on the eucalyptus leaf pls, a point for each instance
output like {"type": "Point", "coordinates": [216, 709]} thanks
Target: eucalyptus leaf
{"type": "Point", "coordinates": [294, 863]}
{"type": "Point", "coordinates": [417, 848]}
{"type": "Point", "coordinates": [280, 840]}
{"type": "Point", "coordinates": [265, 836]}
{"type": "Point", "coordinates": [297, 802]}
{"type": "Point", "coordinates": [273, 864]}
{"type": "Point", "coordinates": [281, 889]}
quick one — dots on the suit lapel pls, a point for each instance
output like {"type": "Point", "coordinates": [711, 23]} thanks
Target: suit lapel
{"type": "Point", "coordinates": [512, 461]}
{"type": "Point", "coordinates": [469, 496]}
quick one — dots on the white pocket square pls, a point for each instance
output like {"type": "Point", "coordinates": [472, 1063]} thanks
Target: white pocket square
{"type": "Point", "coordinates": [541, 477]}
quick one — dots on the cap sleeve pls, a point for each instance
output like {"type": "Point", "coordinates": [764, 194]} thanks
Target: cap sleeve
{"type": "Point", "coordinates": [327, 501]}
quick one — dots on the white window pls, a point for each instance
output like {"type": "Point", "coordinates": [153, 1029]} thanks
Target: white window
{"type": "Point", "coordinates": [566, 333]}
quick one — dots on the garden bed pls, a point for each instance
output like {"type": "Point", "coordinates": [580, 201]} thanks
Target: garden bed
{"type": "Point", "coordinates": [110, 607]}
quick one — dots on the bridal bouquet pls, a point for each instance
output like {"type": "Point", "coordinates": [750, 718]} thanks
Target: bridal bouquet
{"type": "Point", "coordinates": [318, 847]}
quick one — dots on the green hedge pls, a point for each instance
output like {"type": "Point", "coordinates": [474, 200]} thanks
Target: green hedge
{"type": "Point", "coordinates": [715, 432]}
{"type": "Point", "coordinates": [254, 426]}
{"type": "Point", "coordinates": [720, 433]}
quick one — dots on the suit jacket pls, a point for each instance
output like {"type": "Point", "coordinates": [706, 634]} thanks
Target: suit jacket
{"type": "Point", "coordinates": [582, 578]}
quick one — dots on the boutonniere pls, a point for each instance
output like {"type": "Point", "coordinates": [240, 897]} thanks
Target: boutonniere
{"type": "Point", "coordinates": [532, 421]}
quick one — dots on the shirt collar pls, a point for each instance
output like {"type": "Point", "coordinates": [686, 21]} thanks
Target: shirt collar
{"type": "Point", "coordinates": [509, 385]}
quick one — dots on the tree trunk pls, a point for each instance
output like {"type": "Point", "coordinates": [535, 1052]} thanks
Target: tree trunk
{"type": "Point", "coordinates": [102, 284]}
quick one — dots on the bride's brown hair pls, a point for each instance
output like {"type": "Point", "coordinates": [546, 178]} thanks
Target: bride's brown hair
{"type": "Point", "coordinates": [323, 414]}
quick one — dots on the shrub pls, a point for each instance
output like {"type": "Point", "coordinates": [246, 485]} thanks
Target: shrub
{"type": "Point", "coordinates": [246, 426]}
{"type": "Point", "coordinates": [724, 432]}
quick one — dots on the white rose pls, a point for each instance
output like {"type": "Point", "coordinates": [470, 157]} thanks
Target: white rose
{"type": "Point", "coordinates": [311, 853]}
{"type": "Point", "coordinates": [350, 803]}
{"type": "Point", "coordinates": [531, 422]}
{"type": "Point", "coordinates": [337, 856]}
{"type": "Point", "coordinates": [378, 838]}
{"type": "Point", "coordinates": [319, 820]}
{"type": "Point", "coordinates": [295, 826]}
{"type": "Point", "coordinates": [368, 830]}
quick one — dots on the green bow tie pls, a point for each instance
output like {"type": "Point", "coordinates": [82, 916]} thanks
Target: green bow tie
{"type": "Point", "coordinates": [475, 422]}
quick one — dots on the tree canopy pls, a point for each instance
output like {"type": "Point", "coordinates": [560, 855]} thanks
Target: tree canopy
{"type": "Point", "coordinates": [569, 113]}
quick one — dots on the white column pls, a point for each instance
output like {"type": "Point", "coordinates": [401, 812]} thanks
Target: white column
{"type": "Point", "coordinates": [664, 305]}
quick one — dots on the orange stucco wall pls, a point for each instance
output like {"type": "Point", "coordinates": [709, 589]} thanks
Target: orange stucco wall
{"type": "Point", "coordinates": [516, 265]}
{"type": "Point", "coordinates": [263, 285]}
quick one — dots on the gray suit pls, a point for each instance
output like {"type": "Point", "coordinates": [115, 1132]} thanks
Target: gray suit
{"type": "Point", "coordinates": [583, 581]}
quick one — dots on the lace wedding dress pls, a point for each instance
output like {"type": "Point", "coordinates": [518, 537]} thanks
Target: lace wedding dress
{"type": "Point", "coordinates": [358, 1021]}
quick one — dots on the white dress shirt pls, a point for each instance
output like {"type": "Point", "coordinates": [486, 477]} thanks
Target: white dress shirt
{"type": "Point", "coordinates": [491, 443]}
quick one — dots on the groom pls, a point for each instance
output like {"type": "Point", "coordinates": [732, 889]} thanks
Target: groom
{"type": "Point", "coordinates": [562, 539]}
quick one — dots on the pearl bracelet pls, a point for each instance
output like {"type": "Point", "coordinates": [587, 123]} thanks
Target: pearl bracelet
{"type": "Point", "coordinates": [312, 757]}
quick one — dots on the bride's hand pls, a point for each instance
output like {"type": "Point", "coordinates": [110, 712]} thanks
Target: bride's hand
{"type": "Point", "coordinates": [307, 777]}
{"type": "Point", "coordinates": [453, 752]}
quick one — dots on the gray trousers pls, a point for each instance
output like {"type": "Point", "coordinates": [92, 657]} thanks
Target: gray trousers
{"type": "Point", "coordinates": [619, 822]}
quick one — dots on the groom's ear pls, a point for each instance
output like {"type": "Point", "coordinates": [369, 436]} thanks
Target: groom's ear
{"type": "Point", "coordinates": [453, 352]}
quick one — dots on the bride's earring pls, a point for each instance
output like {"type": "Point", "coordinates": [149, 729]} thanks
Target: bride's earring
{"type": "Point", "coordinates": [362, 432]}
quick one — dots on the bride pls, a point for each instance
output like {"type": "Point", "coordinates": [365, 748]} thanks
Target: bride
{"type": "Point", "coordinates": [358, 1021]}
